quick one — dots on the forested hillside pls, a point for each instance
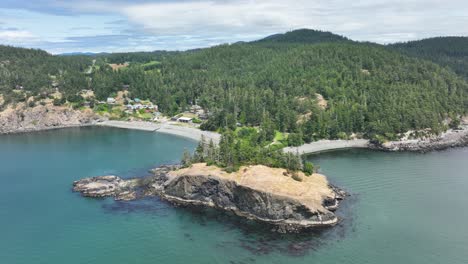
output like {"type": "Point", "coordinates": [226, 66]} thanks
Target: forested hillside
{"type": "Point", "coordinates": [310, 83]}
{"type": "Point", "coordinates": [37, 71]}
{"type": "Point", "coordinates": [449, 52]}
{"type": "Point", "coordinates": [369, 89]}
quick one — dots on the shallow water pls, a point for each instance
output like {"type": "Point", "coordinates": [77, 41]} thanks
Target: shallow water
{"type": "Point", "coordinates": [404, 208]}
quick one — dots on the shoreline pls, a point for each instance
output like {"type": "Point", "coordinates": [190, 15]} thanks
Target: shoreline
{"type": "Point", "coordinates": [449, 139]}
{"type": "Point", "coordinates": [328, 145]}
{"type": "Point", "coordinates": [165, 128]}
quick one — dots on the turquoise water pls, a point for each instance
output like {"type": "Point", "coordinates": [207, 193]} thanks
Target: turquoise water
{"type": "Point", "coordinates": [404, 208]}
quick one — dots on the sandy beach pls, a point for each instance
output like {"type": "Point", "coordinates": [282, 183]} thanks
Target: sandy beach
{"type": "Point", "coordinates": [167, 128]}
{"type": "Point", "coordinates": [325, 145]}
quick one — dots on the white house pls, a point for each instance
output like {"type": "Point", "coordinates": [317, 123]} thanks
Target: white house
{"type": "Point", "coordinates": [184, 119]}
{"type": "Point", "coordinates": [110, 100]}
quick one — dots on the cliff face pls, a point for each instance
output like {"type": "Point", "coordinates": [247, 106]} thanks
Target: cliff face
{"type": "Point", "coordinates": [257, 192]}
{"type": "Point", "coordinates": [26, 119]}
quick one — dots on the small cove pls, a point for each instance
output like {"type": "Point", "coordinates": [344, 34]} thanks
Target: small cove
{"type": "Point", "coordinates": [397, 213]}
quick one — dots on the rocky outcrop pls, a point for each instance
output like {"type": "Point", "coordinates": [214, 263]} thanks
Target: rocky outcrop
{"type": "Point", "coordinates": [107, 186]}
{"type": "Point", "coordinates": [256, 192]}
{"type": "Point", "coordinates": [27, 119]}
{"type": "Point", "coordinates": [449, 139]}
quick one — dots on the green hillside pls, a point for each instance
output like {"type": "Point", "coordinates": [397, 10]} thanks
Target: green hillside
{"type": "Point", "coordinates": [368, 88]}
{"type": "Point", "coordinates": [36, 71]}
{"type": "Point", "coordinates": [449, 52]}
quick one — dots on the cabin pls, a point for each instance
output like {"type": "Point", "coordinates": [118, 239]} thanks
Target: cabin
{"type": "Point", "coordinates": [184, 119]}
{"type": "Point", "coordinates": [110, 100]}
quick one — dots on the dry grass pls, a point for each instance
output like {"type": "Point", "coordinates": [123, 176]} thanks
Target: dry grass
{"type": "Point", "coordinates": [321, 102]}
{"type": "Point", "coordinates": [116, 67]}
{"type": "Point", "coordinates": [311, 191]}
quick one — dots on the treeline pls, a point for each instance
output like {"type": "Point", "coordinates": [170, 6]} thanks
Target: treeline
{"type": "Point", "coordinates": [134, 57]}
{"type": "Point", "coordinates": [246, 146]}
{"type": "Point", "coordinates": [451, 52]}
{"type": "Point", "coordinates": [369, 89]}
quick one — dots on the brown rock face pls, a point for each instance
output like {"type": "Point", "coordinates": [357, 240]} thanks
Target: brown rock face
{"type": "Point", "coordinates": [26, 119]}
{"type": "Point", "coordinates": [257, 192]}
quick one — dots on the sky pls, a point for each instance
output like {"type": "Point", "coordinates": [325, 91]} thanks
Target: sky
{"type": "Point", "coordinates": [60, 26]}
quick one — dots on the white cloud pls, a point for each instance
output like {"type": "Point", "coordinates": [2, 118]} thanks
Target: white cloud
{"type": "Point", "coordinates": [16, 36]}
{"type": "Point", "coordinates": [376, 20]}
{"type": "Point", "coordinates": [219, 17]}
{"type": "Point", "coordinates": [181, 24]}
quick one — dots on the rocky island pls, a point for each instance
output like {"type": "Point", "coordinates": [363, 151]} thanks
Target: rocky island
{"type": "Point", "coordinates": [261, 193]}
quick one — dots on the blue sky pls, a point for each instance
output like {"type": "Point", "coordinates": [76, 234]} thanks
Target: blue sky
{"type": "Point", "coordinates": [140, 25]}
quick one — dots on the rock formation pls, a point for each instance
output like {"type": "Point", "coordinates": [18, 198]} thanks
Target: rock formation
{"type": "Point", "coordinates": [449, 139]}
{"type": "Point", "coordinates": [256, 192]}
{"type": "Point", "coordinates": [107, 186]}
{"type": "Point", "coordinates": [21, 118]}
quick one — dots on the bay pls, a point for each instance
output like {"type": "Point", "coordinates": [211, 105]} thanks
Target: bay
{"type": "Point", "coordinates": [403, 208]}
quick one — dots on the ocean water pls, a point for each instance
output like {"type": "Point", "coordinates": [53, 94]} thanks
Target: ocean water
{"type": "Point", "coordinates": [403, 208]}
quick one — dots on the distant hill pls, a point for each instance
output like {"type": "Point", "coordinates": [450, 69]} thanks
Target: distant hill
{"type": "Point", "coordinates": [304, 36]}
{"type": "Point", "coordinates": [449, 52]}
{"type": "Point", "coordinates": [82, 54]}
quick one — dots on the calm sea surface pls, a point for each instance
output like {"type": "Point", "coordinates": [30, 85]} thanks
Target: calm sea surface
{"type": "Point", "coordinates": [404, 208]}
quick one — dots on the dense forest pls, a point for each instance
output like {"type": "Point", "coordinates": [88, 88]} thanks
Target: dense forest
{"type": "Point", "coordinates": [37, 71]}
{"type": "Point", "coordinates": [276, 83]}
{"type": "Point", "coordinates": [449, 52]}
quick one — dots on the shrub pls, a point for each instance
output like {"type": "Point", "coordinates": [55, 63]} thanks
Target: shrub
{"type": "Point", "coordinates": [342, 136]}
{"type": "Point", "coordinates": [308, 168]}
{"type": "Point", "coordinates": [58, 102]}
{"type": "Point", "coordinates": [455, 123]}
{"type": "Point", "coordinates": [296, 177]}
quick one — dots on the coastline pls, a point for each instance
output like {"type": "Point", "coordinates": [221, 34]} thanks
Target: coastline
{"type": "Point", "coordinates": [166, 128]}
{"type": "Point", "coordinates": [452, 138]}
{"type": "Point", "coordinates": [327, 145]}
{"type": "Point", "coordinates": [449, 139]}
